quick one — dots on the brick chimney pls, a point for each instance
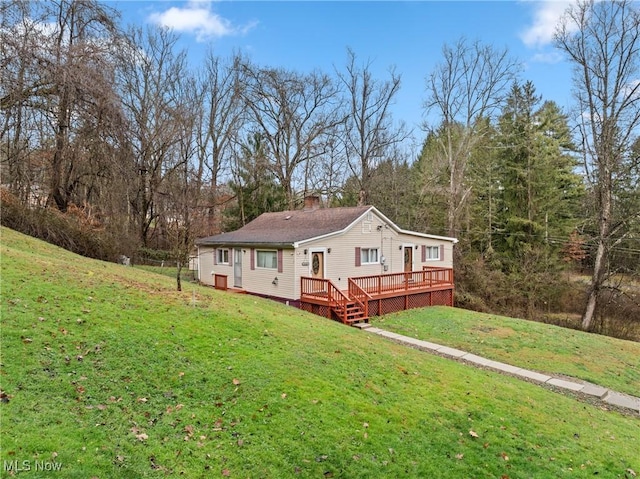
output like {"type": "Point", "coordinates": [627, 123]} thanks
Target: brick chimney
{"type": "Point", "coordinates": [311, 202]}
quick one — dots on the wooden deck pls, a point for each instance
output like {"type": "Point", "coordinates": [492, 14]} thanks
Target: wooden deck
{"type": "Point", "coordinates": [377, 295]}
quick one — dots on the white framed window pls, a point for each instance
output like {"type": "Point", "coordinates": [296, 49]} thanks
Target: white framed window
{"type": "Point", "coordinates": [432, 253]}
{"type": "Point", "coordinates": [369, 255]}
{"type": "Point", "coordinates": [222, 256]}
{"type": "Point", "coordinates": [267, 259]}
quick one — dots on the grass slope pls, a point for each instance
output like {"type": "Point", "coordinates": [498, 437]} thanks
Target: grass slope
{"type": "Point", "coordinates": [602, 360]}
{"type": "Point", "coordinates": [111, 373]}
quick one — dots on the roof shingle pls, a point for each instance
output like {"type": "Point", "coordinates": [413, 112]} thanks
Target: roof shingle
{"type": "Point", "coordinates": [287, 227]}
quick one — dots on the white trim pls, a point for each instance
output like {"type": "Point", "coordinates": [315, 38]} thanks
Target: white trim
{"type": "Point", "coordinates": [428, 248]}
{"type": "Point", "coordinates": [199, 268]}
{"type": "Point", "coordinates": [386, 220]}
{"type": "Point", "coordinates": [266, 250]}
{"type": "Point", "coordinates": [324, 260]}
{"type": "Point", "coordinates": [220, 250]}
{"type": "Point", "coordinates": [413, 254]}
{"type": "Point", "coordinates": [378, 254]}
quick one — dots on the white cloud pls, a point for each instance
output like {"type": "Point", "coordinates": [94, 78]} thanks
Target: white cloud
{"type": "Point", "coordinates": [198, 18]}
{"type": "Point", "coordinates": [550, 57]}
{"type": "Point", "coordinates": [546, 15]}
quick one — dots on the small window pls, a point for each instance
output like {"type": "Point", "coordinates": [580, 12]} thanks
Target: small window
{"type": "Point", "coordinates": [267, 259]}
{"type": "Point", "coordinates": [368, 255]}
{"type": "Point", "coordinates": [222, 256]}
{"type": "Point", "coordinates": [433, 253]}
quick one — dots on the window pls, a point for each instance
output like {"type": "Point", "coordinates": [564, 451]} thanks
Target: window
{"type": "Point", "coordinates": [432, 252]}
{"type": "Point", "coordinates": [222, 256]}
{"type": "Point", "coordinates": [267, 259]}
{"type": "Point", "coordinates": [368, 255]}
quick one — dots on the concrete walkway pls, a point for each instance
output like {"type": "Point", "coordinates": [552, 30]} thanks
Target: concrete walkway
{"type": "Point", "coordinates": [608, 396]}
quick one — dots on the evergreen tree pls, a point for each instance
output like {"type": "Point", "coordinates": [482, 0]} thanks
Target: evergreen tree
{"type": "Point", "coordinates": [539, 195]}
{"type": "Point", "coordinates": [255, 187]}
{"type": "Point", "coordinates": [540, 192]}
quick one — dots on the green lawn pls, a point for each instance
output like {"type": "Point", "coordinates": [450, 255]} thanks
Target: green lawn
{"type": "Point", "coordinates": [605, 361]}
{"type": "Point", "coordinates": [110, 373]}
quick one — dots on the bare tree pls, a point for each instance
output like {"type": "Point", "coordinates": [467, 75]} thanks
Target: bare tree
{"type": "Point", "coordinates": [221, 125]}
{"type": "Point", "coordinates": [293, 112]}
{"type": "Point", "coordinates": [60, 73]}
{"type": "Point", "coordinates": [466, 88]}
{"type": "Point", "coordinates": [369, 131]}
{"type": "Point", "coordinates": [602, 41]}
{"type": "Point", "coordinates": [181, 189]}
{"type": "Point", "coordinates": [151, 72]}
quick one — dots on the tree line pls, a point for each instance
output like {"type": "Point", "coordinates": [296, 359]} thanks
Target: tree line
{"type": "Point", "coordinates": [113, 124]}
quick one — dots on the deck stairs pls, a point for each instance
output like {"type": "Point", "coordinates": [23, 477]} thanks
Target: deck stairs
{"type": "Point", "coordinates": [354, 313]}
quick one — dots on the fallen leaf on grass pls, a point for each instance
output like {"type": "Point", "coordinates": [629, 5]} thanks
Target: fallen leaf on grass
{"type": "Point", "coordinates": [142, 399]}
{"type": "Point", "coordinates": [631, 472]}
{"type": "Point", "coordinates": [459, 456]}
{"type": "Point", "coordinates": [504, 456]}
{"type": "Point", "coordinates": [236, 381]}
{"type": "Point", "coordinates": [473, 434]}
{"type": "Point", "coordinates": [142, 437]}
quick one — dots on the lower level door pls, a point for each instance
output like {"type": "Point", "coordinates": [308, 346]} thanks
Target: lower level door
{"type": "Point", "coordinates": [237, 268]}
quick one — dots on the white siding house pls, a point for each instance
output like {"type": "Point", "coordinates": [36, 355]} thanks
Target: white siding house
{"type": "Point", "coordinates": [270, 255]}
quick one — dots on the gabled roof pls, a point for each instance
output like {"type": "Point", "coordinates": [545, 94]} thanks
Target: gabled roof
{"type": "Point", "coordinates": [286, 228]}
{"type": "Point", "coordinates": [291, 228]}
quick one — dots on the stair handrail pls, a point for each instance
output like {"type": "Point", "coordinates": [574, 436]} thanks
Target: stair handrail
{"type": "Point", "coordinates": [360, 296]}
{"type": "Point", "coordinates": [338, 297]}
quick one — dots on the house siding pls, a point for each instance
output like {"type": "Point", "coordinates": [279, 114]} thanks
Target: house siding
{"type": "Point", "coordinates": [205, 264]}
{"type": "Point", "coordinates": [341, 262]}
{"type": "Point", "coordinates": [340, 258]}
{"type": "Point", "coordinates": [260, 280]}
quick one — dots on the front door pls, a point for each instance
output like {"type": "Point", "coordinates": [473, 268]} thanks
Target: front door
{"type": "Point", "coordinates": [408, 258]}
{"type": "Point", "coordinates": [317, 264]}
{"type": "Point", "coordinates": [237, 268]}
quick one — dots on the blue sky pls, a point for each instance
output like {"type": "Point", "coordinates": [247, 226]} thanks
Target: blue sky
{"type": "Point", "coordinates": [305, 35]}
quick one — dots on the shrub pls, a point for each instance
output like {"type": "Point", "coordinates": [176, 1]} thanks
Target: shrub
{"type": "Point", "coordinates": [72, 230]}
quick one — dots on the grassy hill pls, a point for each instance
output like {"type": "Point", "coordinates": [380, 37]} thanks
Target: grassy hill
{"type": "Point", "coordinates": [109, 372]}
{"type": "Point", "coordinates": [553, 350]}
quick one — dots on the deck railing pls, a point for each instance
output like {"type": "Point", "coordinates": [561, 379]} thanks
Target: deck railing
{"type": "Point", "coordinates": [386, 283]}
{"type": "Point", "coordinates": [360, 296]}
{"type": "Point", "coordinates": [325, 291]}
{"type": "Point", "coordinates": [440, 275]}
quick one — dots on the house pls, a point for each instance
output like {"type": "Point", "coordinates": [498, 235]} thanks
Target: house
{"type": "Point", "coordinates": [349, 263]}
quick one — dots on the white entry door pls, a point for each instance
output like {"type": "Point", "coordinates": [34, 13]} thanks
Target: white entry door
{"type": "Point", "coordinates": [237, 268]}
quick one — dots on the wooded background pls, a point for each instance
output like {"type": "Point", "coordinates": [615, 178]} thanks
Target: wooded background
{"type": "Point", "coordinates": [112, 144]}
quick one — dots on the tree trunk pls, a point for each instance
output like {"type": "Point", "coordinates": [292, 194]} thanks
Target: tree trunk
{"type": "Point", "coordinates": [600, 264]}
